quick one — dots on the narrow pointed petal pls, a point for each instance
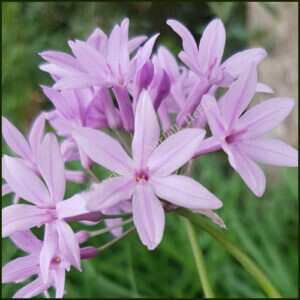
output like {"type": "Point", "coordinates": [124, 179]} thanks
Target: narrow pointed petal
{"type": "Point", "coordinates": [27, 241]}
{"type": "Point", "coordinates": [135, 42]}
{"type": "Point", "coordinates": [265, 116]}
{"type": "Point", "coordinates": [145, 52]}
{"type": "Point", "coordinates": [32, 289]}
{"type": "Point", "coordinates": [175, 151]}
{"type": "Point", "coordinates": [36, 133]}
{"type": "Point", "coordinates": [48, 250]}
{"type": "Point", "coordinates": [103, 150]}
{"type": "Point", "coordinates": [213, 116]}
{"type": "Point", "coordinates": [168, 62]}
{"type": "Point", "coordinates": [125, 107]}
{"type": "Point", "coordinates": [110, 192]}
{"type": "Point", "coordinates": [51, 166]}
{"type": "Point", "coordinates": [59, 281]}
{"type": "Point", "coordinates": [270, 151]}
{"type": "Point", "coordinates": [80, 81]}
{"type": "Point", "coordinates": [20, 269]}
{"type": "Point", "coordinates": [188, 41]}
{"type": "Point", "coordinates": [62, 60]}
{"type": "Point", "coordinates": [236, 64]}
{"type": "Point", "coordinates": [263, 88]}
{"type": "Point", "coordinates": [71, 207]}
{"type": "Point", "coordinates": [212, 43]}
{"type": "Point", "coordinates": [164, 117]}
{"type": "Point", "coordinates": [68, 244]}
{"type": "Point", "coordinates": [208, 145]}
{"type": "Point", "coordinates": [24, 182]}
{"type": "Point", "coordinates": [99, 40]}
{"type": "Point", "coordinates": [15, 140]}
{"type": "Point", "coordinates": [213, 216]}
{"type": "Point", "coordinates": [239, 95]}
{"type": "Point", "coordinates": [21, 217]}
{"type": "Point", "coordinates": [148, 216]}
{"type": "Point", "coordinates": [147, 131]}
{"type": "Point", "coordinates": [92, 59]}
{"type": "Point", "coordinates": [76, 176]}
{"type": "Point", "coordinates": [184, 191]}
{"type": "Point", "coordinates": [250, 172]}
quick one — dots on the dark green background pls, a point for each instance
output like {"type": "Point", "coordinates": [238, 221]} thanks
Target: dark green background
{"type": "Point", "coordinates": [265, 228]}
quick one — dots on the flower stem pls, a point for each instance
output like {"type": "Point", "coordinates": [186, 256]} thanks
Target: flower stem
{"type": "Point", "coordinates": [242, 257]}
{"type": "Point", "coordinates": [102, 231]}
{"type": "Point", "coordinates": [208, 292]}
{"type": "Point", "coordinates": [93, 175]}
{"type": "Point", "coordinates": [116, 239]}
{"type": "Point", "coordinates": [116, 216]}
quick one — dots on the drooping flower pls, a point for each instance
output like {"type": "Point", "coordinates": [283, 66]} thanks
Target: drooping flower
{"type": "Point", "coordinates": [48, 207]}
{"type": "Point", "coordinates": [149, 174]}
{"type": "Point", "coordinates": [205, 61]}
{"type": "Point", "coordinates": [240, 135]}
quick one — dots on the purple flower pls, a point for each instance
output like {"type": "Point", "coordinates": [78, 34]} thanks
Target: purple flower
{"type": "Point", "coordinates": [205, 61]}
{"type": "Point", "coordinates": [240, 135]}
{"type": "Point", "coordinates": [22, 268]}
{"type": "Point", "coordinates": [149, 174]}
{"type": "Point", "coordinates": [105, 65]}
{"type": "Point", "coordinates": [48, 207]}
{"type": "Point", "coordinates": [29, 151]}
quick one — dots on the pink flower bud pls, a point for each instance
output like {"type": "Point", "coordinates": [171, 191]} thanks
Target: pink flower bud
{"type": "Point", "coordinates": [161, 86]}
{"type": "Point", "coordinates": [88, 252]}
{"type": "Point", "coordinates": [82, 236]}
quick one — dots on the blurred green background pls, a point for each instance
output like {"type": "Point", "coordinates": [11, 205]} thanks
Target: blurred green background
{"type": "Point", "coordinates": [266, 228]}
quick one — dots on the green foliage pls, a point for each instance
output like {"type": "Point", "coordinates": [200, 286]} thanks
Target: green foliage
{"type": "Point", "coordinates": [265, 228]}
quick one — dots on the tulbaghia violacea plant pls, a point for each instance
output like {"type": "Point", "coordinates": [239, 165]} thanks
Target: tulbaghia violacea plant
{"type": "Point", "coordinates": [108, 100]}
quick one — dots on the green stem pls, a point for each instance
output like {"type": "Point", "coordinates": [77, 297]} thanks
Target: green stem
{"type": "Point", "coordinates": [242, 257]}
{"type": "Point", "coordinates": [208, 292]}
{"type": "Point", "coordinates": [102, 231]}
{"type": "Point", "coordinates": [125, 215]}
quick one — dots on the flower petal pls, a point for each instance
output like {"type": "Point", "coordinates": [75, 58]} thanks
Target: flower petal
{"type": "Point", "coordinates": [148, 216]}
{"type": "Point", "coordinates": [211, 46]}
{"type": "Point", "coordinates": [21, 217]}
{"type": "Point", "coordinates": [236, 64]}
{"type": "Point", "coordinates": [239, 95]}
{"type": "Point", "coordinates": [49, 248]}
{"type": "Point", "coordinates": [15, 140]}
{"type": "Point", "coordinates": [103, 150]}
{"type": "Point", "coordinates": [188, 41]}
{"type": "Point", "coordinates": [51, 166]}
{"type": "Point", "coordinates": [109, 192]}
{"type": "Point", "coordinates": [24, 182]}
{"type": "Point", "coordinates": [184, 191]}
{"type": "Point", "coordinates": [263, 88]}
{"type": "Point", "coordinates": [27, 241]}
{"type": "Point", "coordinates": [208, 145]}
{"type": "Point", "coordinates": [36, 133]}
{"type": "Point", "coordinates": [59, 280]}
{"type": "Point", "coordinates": [265, 116]}
{"type": "Point", "coordinates": [270, 151]}
{"type": "Point", "coordinates": [175, 151]}
{"type": "Point", "coordinates": [250, 172]}
{"type": "Point", "coordinates": [68, 244]}
{"type": "Point", "coordinates": [146, 133]}
{"type": "Point", "coordinates": [135, 42]}
{"type": "Point", "coordinates": [20, 269]}
{"type": "Point", "coordinates": [32, 289]}
{"type": "Point", "coordinates": [213, 116]}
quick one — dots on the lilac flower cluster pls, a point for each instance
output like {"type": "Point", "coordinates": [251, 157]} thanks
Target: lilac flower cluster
{"type": "Point", "coordinates": [116, 84]}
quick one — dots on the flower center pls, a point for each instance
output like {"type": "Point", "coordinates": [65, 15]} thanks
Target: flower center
{"type": "Point", "coordinates": [234, 137]}
{"type": "Point", "coordinates": [55, 260]}
{"type": "Point", "coordinates": [141, 177]}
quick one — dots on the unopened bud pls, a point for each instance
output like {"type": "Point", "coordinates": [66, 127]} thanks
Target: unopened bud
{"type": "Point", "coordinates": [88, 252]}
{"type": "Point", "coordinates": [145, 75]}
{"type": "Point", "coordinates": [161, 84]}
